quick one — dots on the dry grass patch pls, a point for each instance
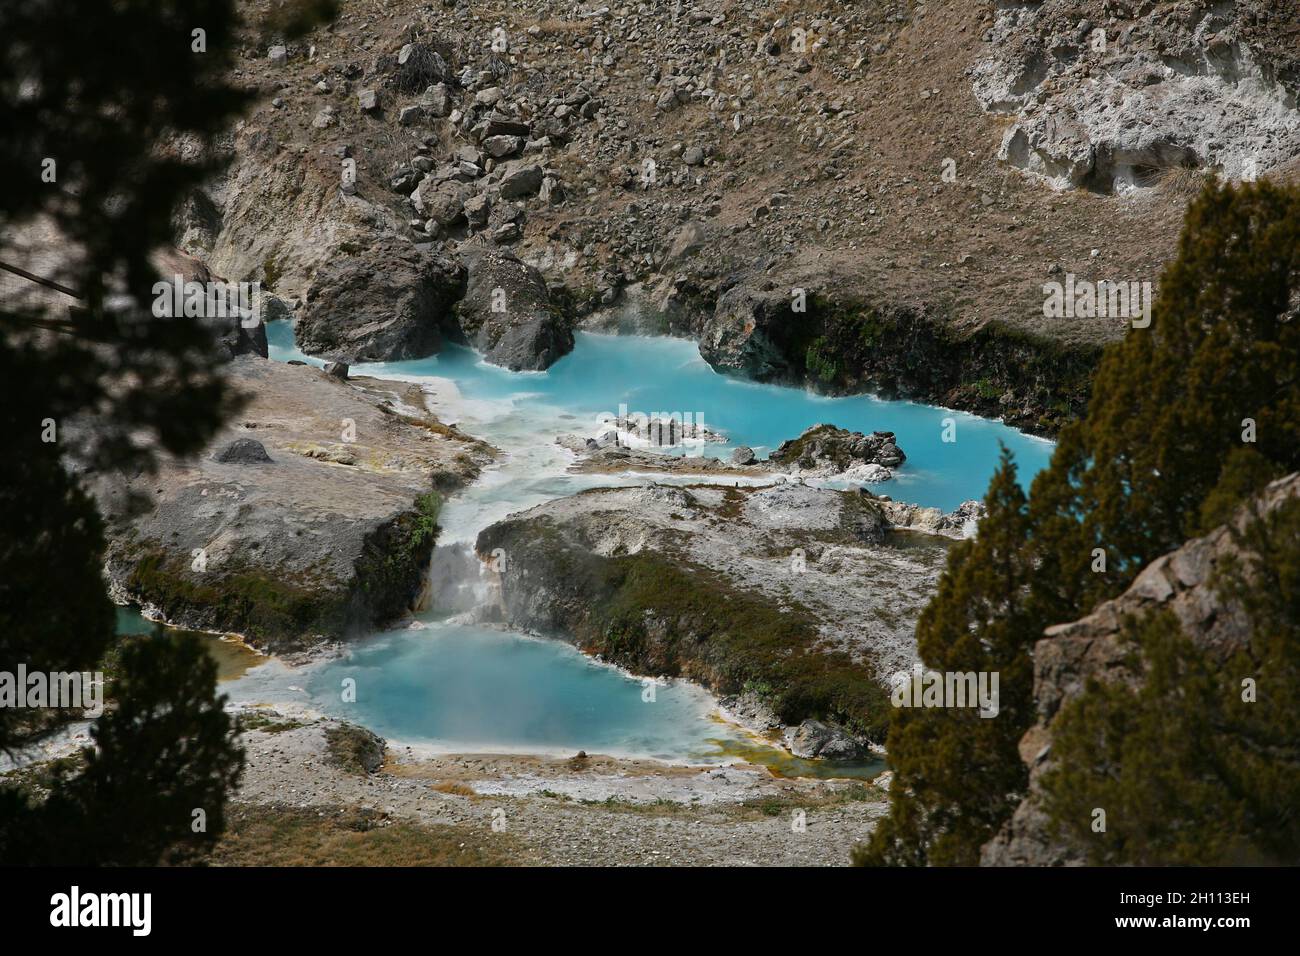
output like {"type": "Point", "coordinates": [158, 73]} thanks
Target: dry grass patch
{"type": "Point", "coordinates": [1180, 180]}
{"type": "Point", "coordinates": [454, 787]}
{"type": "Point", "coordinates": [352, 836]}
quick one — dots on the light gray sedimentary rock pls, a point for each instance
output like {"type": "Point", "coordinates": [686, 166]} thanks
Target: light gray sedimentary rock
{"type": "Point", "coordinates": [303, 520]}
{"type": "Point", "coordinates": [1112, 103]}
{"type": "Point", "coordinates": [829, 551]}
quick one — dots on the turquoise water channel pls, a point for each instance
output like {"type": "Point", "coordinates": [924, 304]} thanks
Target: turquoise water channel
{"type": "Point", "coordinates": [453, 685]}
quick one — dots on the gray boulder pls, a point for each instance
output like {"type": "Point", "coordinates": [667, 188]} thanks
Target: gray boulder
{"type": "Point", "coordinates": [813, 738]}
{"type": "Point", "coordinates": [390, 302]}
{"type": "Point", "coordinates": [500, 147]}
{"type": "Point", "coordinates": [242, 451]}
{"type": "Point", "coordinates": [520, 179]}
{"type": "Point", "coordinates": [742, 455]}
{"type": "Point", "coordinates": [437, 100]}
{"type": "Point", "coordinates": [477, 209]}
{"type": "Point", "coordinates": [750, 331]}
{"type": "Point", "coordinates": [499, 125]}
{"type": "Point", "coordinates": [443, 202]}
{"type": "Point", "coordinates": [507, 313]}
{"type": "Point", "coordinates": [235, 338]}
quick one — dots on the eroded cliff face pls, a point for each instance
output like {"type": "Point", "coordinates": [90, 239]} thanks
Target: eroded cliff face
{"type": "Point", "coordinates": [1112, 95]}
{"type": "Point", "coordinates": [1069, 655]}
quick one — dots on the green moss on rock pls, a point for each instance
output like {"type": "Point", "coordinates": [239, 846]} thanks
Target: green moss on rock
{"type": "Point", "coordinates": [268, 607]}
{"type": "Point", "coordinates": [848, 346]}
{"type": "Point", "coordinates": [658, 615]}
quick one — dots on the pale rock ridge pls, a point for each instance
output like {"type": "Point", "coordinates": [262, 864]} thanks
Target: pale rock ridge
{"type": "Point", "coordinates": [1171, 86]}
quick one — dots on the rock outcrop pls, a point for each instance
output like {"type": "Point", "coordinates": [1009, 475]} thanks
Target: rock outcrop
{"type": "Point", "coordinates": [961, 522]}
{"type": "Point", "coordinates": [698, 582]}
{"type": "Point", "coordinates": [813, 738]}
{"type": "Point", "coordinates": [1181, 583]}
{"type": "Point", "coordinates": [507, 313]}
{"type": "Point", "coordinates": [279, 215]}
{"type": "Point", "coordinates": [750, 330]}
{"type": "Point", "coordinates": [389, 302]}
{"type": "Point", "coordinates": [827, 450]}
{"type": "Point", "coordinates": [320, 526]}
{"type": "Point", "coordinates": [1116, 103]}
{"type": "Point", "coordinates": [242, 451]}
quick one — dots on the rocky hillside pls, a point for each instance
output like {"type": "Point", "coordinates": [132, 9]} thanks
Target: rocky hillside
{"type": "Point", "coordinates": [1069, 655]}
{"type": "Point", "coordinates": [849, 196]}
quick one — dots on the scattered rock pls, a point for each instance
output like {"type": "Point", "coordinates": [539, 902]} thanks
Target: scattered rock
{"type": "Point", "coordinates": [242, 451]}
{"type": "Point", "coordinates": [520, 179]}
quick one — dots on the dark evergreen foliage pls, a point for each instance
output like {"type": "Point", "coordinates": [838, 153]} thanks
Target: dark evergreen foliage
{"type": "Point", "coordinates": [106, 91]}
{"type": "Point", "coordinates": [1158, 458]}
